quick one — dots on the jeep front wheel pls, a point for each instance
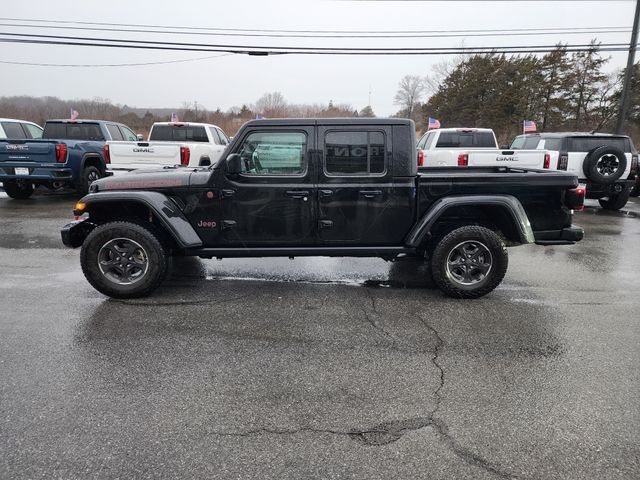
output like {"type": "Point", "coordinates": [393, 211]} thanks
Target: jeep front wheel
{"type": "Point", "coordinates": [18, 189]}
{"type": "Point", "coordinates": [469, 262]}
{"type": "Point", "coordinates": [123, 260]}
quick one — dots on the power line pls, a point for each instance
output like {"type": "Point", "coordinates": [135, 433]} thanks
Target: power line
{"type": "Point", "coordinates": [319, 51]}
{"type": "Point", "coordinates": [463, 33]}
{"type": "Point", "coordinates": [284, 49]}
{"type": "Point", "coordinates": [561, 29]}
{"type": "Point", "coordinates": [208, 57]}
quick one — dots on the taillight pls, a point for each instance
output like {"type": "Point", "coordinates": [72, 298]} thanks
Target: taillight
{"type": "Point", "coordinates": [61, 152]}
{"type": "Point", "coordinates": [105, 154]}
{"type": "Point", "coordinates": [575, 197]}
{"type": "Point", "coordinates": [547, 161]}
{"type": "Point", "coordinates": [563, 161]}
{"type": "Point", "coordinates": [185, 154]}
{"type": "Point", "coordinates": [463, 160]}
{"type": "Point", "coordinates": [421, 158]}
{"type": "Point", "coordinates": [634, 163]}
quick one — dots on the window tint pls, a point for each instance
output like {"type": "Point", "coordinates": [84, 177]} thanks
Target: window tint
{"type": "Point", "coordinates": [550, 144]}
{"type": "Point", "coordinates": [13, 130]}
{"type": "Point", "coordinates": [215, 136]}
{"type": "Point", "coordinates": [466, 139]}
{"type": "Point", "coordinates": [354, 153]}
{"type": "Point", "coordinates": [128, 134]}
{"type": "Point", "coordinates": [33, 130]}
{"type": "Point", "coordinates": [73, 131]}
{"type": "Point", "coordinates": [585, 144]}
{"type": "Point", "coordinates": [114, 132]}
{"type": "Point", "coordinates": [274, 153]}
{"type": "Point", "coordinates": [430, 138]}
{"type": "Point", "coordinates": [223, 137]}
{"type": "Point", "coordinates": [179, 133]}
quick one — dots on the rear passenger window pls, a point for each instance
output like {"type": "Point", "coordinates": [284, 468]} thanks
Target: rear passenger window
{"type": "Point", "coordinates": [32, 130]}
{"type": "Point", "coordinates": [215, 136]}
{"type": "Point", "coordinates": [13, 130]}
{"type": "Point", "coordinates": [354, 153]}
{"type": "Point", "coordinates": [430, 138]}
{"type": "Point", "coordinates": [128, 135]}
{"type": "Point", "coordinates": [274, 153]}
{"type": "Point", "coordinates": [114, 132]}
{"type": "Point", "coordinates": [586, 144]}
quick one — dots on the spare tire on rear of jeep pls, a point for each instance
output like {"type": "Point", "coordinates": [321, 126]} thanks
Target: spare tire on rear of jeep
{"type": "Point", "coordinates": [604, 164]}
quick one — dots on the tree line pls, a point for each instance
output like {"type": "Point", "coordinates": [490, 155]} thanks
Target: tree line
{"type": "Point", "coordinates": [560, 91]}
{"type": "Point", "coordinates": [269, 105]}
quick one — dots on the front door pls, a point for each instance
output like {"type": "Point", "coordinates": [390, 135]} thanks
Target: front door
{"type": "Point", "coordinates": [271, 203]}
{"type": "Point", "coordinates": [358, 201]}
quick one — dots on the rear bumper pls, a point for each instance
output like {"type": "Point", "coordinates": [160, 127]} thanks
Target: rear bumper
{"type": "Point", "coordinates": [599, 190]}
{"type": "Point", "coordinates": [566, 236]}
{"type": "Point", "coordinates": [37, 173]}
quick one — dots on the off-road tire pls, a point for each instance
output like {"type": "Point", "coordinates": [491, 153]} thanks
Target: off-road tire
{"type": "Point", "coordinates": [147, 238]}
{"type": "Point", "coordinates": [446, 247]}
{"type": "Point", "coordinates": [18, 190]}
{"type": "Point", "coordinates": [89, 175]}
{"type": "Point", "coordinates": [617, 201]}
{"type": "Point", "coordinates": [591, 164]}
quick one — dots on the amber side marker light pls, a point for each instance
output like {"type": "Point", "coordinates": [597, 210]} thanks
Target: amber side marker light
{"type": "Point", "coordinates": [79, 209]}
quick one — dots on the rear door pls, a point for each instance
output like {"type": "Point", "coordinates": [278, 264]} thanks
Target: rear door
{"type": "Point", "coordinates": [356, 196]}
{"type": "Point", "coordinates": [271, 203]}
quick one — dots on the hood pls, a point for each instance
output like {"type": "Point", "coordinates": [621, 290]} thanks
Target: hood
{"type": "Point", "coordinates": [153, 179]}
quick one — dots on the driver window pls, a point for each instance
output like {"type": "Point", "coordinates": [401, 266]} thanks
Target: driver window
{"type": "Point", "coordinates": [274, 153]}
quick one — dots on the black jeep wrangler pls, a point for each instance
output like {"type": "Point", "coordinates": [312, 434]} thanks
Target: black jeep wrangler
{"type": "Point", "coordinates": [329, 187]}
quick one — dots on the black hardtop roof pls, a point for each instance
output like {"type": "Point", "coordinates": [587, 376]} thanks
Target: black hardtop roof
{"type": "Point", "coordinates": [329, 121]}
{"type": "Point", "coordinates": [572, 134]}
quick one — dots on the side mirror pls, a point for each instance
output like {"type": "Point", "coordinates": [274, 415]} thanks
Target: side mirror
{"type": "Point", "coordinates": [234, 164]}
{"type": "Point", "coordinates": [140, 137]}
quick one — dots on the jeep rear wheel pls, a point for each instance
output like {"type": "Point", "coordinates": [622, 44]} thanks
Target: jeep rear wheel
{"type": "Point", "coordinates": [18, 189]}
{"type": "Point", "coordinates": [469, 262]}
{"type": "Point", "coordinates": [124, 260]}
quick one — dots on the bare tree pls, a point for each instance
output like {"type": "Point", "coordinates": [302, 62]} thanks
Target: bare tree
{"type": "Point", "coordinates": [410, 92]}
{"type": "Point", "coordinates": [271, 105]}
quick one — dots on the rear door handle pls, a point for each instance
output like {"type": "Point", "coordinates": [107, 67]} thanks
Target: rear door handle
{"type": "Point", "coordinates": [326, 193]}
{"type": "Point", "coordinates": [370, 193]}
{"type": "Point", "coordinates": [323, 224]}
{"type": "Point", "coordinates": [297, 194]}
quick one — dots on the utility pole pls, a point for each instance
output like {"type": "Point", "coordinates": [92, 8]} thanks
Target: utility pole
{"type": "Point", "coordinates": [626, 94]}
{"type": "Point", "coordinates": [195, 103]}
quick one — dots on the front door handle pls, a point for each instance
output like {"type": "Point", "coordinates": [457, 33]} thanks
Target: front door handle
{"type": "Point", "coordinates": [227, 224]}
{"type": "Point", "coordinates": [227, 192]}
{"type": "Point", "coordinates": [370, 193]}
{"type": "Point", "coordinates": [325, 193]}
{"type": "Point", "coordinates": [303, 194]}
{"type": "Point", "coordinates": [325, 224]}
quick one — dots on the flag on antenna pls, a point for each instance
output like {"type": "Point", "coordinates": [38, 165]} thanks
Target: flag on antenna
{"type": "Point", "coordinates": [73, 114]}
{"type": "Point", "coordinates": [433, 123]}
{"type": "Point", "coordinates": [174, 117]}
{"type": "Point", "coordinates": [528, 126]}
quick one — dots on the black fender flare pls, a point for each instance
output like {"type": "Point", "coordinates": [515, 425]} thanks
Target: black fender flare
{"type": "Point", "coordinates": [422, 229]}
{"type": "Point", "coordinates": [167, 212]}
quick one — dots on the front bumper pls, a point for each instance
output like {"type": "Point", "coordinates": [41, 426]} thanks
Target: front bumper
{"type": "Point", "coordinates": [74, 233]}
{"type": "Point", "coordinates": [37, 173]}
{"type": "Point", "coordinates": [566, 236]}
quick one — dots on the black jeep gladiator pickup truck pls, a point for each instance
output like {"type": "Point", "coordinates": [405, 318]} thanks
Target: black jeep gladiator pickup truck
{"type": "Point", "coordinates": [330, 187]}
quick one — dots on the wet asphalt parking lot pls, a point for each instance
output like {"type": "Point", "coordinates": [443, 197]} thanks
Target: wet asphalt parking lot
{"type": "Point", "coordinates": [320, 368]}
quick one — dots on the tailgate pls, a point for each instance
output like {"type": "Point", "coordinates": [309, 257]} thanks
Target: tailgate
{"type": "Point", "coordinates": [507, 158]}
{"type": "Point", "coordinates": [135, 155]}
{"type": "Point", "coordinates": [28, 151]}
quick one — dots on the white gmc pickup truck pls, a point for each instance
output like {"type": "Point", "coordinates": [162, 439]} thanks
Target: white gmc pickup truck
{"type": "Point", "coordinates": [473, 147]}
{"type": "Point", "coordinates": [170, 143]}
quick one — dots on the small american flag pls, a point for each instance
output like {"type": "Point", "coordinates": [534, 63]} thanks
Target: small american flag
{"type": "Point", "coordinates": [528, 126]}
{"type": "Point", "coordinates": [174, 117]}
{"type": "Point", "coordinates": [433, 123]}
{"type": "Point", "coordinates": [73, 114]}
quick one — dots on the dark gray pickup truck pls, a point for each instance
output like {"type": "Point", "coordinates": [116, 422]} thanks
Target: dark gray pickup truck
{"type": "Point", "coordinates": [330, 187]}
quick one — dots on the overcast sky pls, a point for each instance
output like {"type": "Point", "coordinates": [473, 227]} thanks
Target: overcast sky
{"type": "Point", "coordinates": [236, 79]}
